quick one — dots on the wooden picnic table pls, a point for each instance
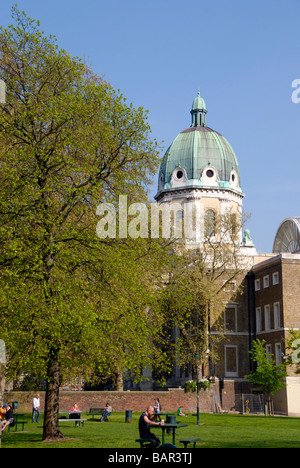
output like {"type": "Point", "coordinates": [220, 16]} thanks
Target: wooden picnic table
{"type": "Point", "coordinates": [172, 426]}
{"type": "Point", "coordinates": [17, 416]}
{"type": "Point", "coordinates": [77, 421]}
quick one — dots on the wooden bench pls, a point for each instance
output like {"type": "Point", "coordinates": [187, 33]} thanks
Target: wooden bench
{"type": "Point", "coordinates": [191, 440]}
{"type": "Point", "coordinates": [142, 442]}
{"type": "Point", "coordinates": [82, 421]}
{"type": "Point", "coordinates": [16, 425]}
{"type": "Point", "coordinates": [95, 412]}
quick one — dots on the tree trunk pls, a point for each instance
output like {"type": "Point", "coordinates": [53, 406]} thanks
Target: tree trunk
{"type": "Point", "coordinates": [51, 428]}
{"type": "Point", "coordinates": [2, 383]}
{"type": "Point", "coordinates": [269, 406]}
{"type": "Point", "coordinates": [118, 381]}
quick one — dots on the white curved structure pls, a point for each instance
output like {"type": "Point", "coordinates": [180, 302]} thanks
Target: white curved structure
{"type": "Point", "coordinates": [287, 238]}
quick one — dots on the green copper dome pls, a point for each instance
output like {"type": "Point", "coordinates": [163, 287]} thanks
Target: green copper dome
{"type": "Point", "coordinates": [199, 157]}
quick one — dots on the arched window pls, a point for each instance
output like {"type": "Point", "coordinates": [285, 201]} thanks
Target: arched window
{"type": "Point", "coordinates": [179, 215]}
{"type": "Point", "coordinates": [210, 223]}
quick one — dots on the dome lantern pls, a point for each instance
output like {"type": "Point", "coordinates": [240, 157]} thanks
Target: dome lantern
{"type": "Point", "coordinates": [198, 112]}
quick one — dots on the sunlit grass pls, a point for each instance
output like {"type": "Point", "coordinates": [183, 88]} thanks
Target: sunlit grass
{"type": "Point", "coordinates": [215, 431]}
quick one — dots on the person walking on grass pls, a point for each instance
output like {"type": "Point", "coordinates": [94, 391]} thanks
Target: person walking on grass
{"type": "Point", "coordinates": [36, 408]}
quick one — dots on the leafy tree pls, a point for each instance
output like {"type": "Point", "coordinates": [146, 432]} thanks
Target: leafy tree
{"type": "Point", "coordinates": [293, 350]}
{"type": "Point", "coordinates": [69, 300]}
{"type": "Point", "coordinates": [131, 318]}
{"type": "Point", "coordinates": [268, 376]}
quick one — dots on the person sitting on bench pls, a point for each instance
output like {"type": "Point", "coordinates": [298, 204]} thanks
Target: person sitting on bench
{"type": "Point", "coordinates": [106, 412]}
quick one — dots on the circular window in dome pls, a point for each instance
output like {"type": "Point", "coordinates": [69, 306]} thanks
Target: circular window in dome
{"type": "Point", "coordinates": [179, 174]}
{"type": "Point", "coordinates": [210, 173]}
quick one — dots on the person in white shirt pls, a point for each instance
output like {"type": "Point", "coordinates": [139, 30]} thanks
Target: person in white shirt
{"type": "Point", "coordinates": [36, 408]}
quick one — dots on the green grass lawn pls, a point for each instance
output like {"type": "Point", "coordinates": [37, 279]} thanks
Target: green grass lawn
{"type": "Point", "coordinates": [215, 431]}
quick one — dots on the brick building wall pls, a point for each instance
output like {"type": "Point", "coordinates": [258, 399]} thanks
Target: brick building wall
{"type": "Point", "coordinates": [277, 292]}
{"type": "Point", "coordinates": [277, 300]}
{"type": "Point", "coordinates": [137, 401]}
{"type": "Point", "coordinates": [233, 350]}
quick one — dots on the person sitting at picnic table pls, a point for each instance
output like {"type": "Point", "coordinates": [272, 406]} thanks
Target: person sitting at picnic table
{"type": "Point", "coordinates": [106, 412]}
{"type": "Point", "coordinates": [144, 428]}
{"type": "Point", "coordinates": [74, 413]}
{"type": "Point", "coordinates": [9, 417]}
{"type": "Point", "coordinates": [180, 413]}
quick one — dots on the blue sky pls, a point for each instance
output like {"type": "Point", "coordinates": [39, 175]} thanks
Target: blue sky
{"type": "Point", "coordinates": [243, 56]}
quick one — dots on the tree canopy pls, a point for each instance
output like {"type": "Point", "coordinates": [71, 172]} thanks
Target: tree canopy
{"type": "Point", "coordinates": [68, 142]}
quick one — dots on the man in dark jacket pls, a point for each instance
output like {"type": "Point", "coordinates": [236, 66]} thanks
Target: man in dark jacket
{"type": "Point", "coordinates": [144, 428]}
{"type": "Point", "coordinates": [9, 417]}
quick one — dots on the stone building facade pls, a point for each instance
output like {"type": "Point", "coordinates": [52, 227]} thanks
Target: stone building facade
{"type": "Point", "coordinates": [200, 173]}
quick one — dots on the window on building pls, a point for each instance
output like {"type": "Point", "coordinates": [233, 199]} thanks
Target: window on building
{"type": "Point", "coordinates": [267, 317]}
{"type": "Point", "coordinates": [231, 361]}
{"type": "Point", "coordinates": [210, 173]}
{"type": "Point", "coordinates": [276, 315]}
{"type": "Point", "coordinates": [269, 351]}
{"type": "Point", "coordinates": [234, 221]}
{"type": "Point", "coordinates": [266, 281]}
{"type": "Point", "coordinates": [179, 215]}
{"type": "Point", "coordinates": [210, 223]}
{"type": "Point", "coordinates": [258, 320]}
{"type": "Point", "coordinates": [278, 354]}
{"type": "Point", "coordinates": [275, 278]}
{"type": "Point", "coordinates": [177, 220]}
{"type": "Point", "coordinates": [257, 284]}
{"type": "Point", "coordinates": [230, 286]}
{"type": "Point", "coordinates": [184, 371]}
{"type": "Point", "coordinates": [230, 319]}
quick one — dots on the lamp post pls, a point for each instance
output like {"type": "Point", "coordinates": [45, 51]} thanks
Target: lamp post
{"type": "Point", "coordinates": [197, 356]}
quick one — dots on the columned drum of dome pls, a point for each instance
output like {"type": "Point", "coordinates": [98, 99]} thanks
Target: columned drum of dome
{"type": "Point", "coordinates": [287, 239]}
